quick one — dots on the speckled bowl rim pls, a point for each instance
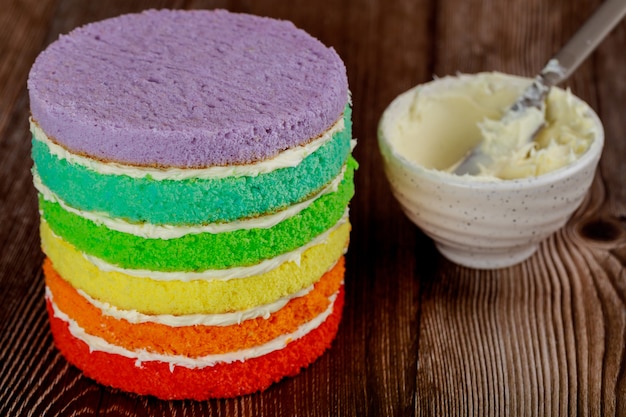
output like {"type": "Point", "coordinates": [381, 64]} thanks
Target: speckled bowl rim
{"type": "Point", "coordinates": [591, 155]}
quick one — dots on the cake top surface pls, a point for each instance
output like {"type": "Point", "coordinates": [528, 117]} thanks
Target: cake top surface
{"type": "Point", "coordinates": [171, 88]}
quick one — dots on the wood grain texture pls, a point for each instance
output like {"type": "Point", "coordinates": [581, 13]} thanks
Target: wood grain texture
{"type": "Point", "coordinates": [546, 337]}
{"type": "Point", "coordinates": [420, 335]}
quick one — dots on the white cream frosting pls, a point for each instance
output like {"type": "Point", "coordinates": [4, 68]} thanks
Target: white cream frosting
{"type": "Point", "coordinates": [221, 274]}
{"type": "Point", "coordinates": [100, 345]}
{"type": "Point", "coordinates": [165, 232]}
{"type": "Point", "coordinates": [289, 158]}
{"type": "Point", "coordinates": [561, 130]}
{"type": "Point", "coordinates": [222, 319]}
{"type": "Point", "coordinates": [440, 122]}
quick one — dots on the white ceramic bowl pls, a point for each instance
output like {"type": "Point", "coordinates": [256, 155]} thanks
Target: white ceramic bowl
{"type": "Point", "coordinates": [485, 224]}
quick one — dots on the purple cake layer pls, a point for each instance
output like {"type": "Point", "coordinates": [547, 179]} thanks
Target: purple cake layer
{"type": "Point", "coordinates": [246, 88]}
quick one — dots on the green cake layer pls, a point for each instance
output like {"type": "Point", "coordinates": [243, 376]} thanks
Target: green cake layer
{"type": "Point", "coordinates": [210, 251]}
{"type": "Point", "coordinates": [192, 201]}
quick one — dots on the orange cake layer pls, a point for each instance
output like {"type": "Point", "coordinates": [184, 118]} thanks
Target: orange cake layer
{"type": "Point", "coordinates": [219, 381]}
{"type": "Point", "coordinates": [197, 340]}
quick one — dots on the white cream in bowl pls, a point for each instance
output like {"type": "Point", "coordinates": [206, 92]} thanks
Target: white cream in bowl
{"type": "Point", "coordinates": [527, 191]}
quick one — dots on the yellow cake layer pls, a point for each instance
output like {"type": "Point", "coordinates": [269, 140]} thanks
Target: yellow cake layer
{"type": "Point", "coordinates": [150, 296]}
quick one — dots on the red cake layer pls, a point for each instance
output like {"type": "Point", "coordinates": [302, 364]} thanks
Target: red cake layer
{"type": "Point", "coordinates": [222, 380]}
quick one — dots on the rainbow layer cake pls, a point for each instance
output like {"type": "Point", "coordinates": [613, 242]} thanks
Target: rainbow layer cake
{"type": "Point", "coordinates": [194, 172]}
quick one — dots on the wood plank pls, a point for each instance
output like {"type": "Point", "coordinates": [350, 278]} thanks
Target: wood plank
{"type": "Point", "coordinates": [23, 27]}
{"type": "Point", "coordinates": [545, 337]}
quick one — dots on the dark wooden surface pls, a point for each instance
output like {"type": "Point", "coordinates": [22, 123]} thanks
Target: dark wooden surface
{"type": "Point", "coordinates": [420, 335]}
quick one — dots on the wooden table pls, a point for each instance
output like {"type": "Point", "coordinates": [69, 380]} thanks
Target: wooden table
{"type": "Point", "coordinates": [420, 335]}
